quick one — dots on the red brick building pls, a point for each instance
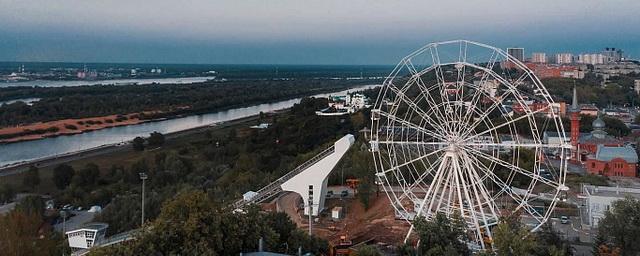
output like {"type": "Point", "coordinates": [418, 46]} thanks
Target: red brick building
{"type": "Point", "coordinates": [613, 161]}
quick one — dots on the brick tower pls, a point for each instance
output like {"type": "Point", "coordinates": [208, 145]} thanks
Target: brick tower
{"type": "Point", "coordinates": [574, 116]}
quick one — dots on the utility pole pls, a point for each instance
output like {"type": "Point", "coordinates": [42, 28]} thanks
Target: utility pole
{"type": "Point", "coordinates": [63, 214]}
{"type": "Point", "coordinates": [143, 177]}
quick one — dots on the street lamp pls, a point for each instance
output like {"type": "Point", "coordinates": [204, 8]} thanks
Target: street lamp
{"type": "Point", "coordinates": [143, 177]}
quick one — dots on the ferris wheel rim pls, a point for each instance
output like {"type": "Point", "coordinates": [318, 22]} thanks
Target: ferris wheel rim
{"type": "Point", "coordinates": [466, 145]}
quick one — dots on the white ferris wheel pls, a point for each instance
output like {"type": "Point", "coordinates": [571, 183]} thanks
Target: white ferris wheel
{"type": "Point", "coordinates": [464, 128]}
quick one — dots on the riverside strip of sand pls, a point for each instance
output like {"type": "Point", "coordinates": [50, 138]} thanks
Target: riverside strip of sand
{"type": "Point", "coordinates": [65, 127]}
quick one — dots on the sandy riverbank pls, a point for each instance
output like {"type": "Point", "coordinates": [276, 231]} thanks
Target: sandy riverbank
{"type": "Point", "coordinates": [65, 127]}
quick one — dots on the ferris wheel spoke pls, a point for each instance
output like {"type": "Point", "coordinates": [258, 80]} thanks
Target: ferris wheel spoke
{"type": "Point", "coordinates": [496, 103]}
{"type": "Point", "coordinates": [425, 93]}
{"type": "Point", "coordinates": [495, 128]}
{"type": "Point", "coordinates": [397, 167]}
{"type": "Point", "coordinates": [517, 145]}
{"type": "Point", "coordinates": [414, 107]}
{"type": "Point", "coordinates": [522, 202]}
{"type": "Point", "coordinates": [481, 193]}
{"type": "Point", "coordinates": [515, 168]}
{"type": "Point", "coordinates": [411, 125]}
{"type": "Point", "coordinates": [444, 97]}
{"type": "Point", "coordinates": [422, 176]}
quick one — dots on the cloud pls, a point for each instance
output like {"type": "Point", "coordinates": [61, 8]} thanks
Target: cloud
{"type": "Point", "coordinates": [53, 29]}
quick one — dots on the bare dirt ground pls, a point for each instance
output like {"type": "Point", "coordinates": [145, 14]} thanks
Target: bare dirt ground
{"type": "Point", "coordinates": [377, 223]}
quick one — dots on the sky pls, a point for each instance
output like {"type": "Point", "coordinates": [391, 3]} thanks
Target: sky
{"type": "Point", "coordinates": [303, 32]}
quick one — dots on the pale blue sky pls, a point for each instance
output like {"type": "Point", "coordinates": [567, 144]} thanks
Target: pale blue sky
{"type": "Point", "coordinates": [302, 32]}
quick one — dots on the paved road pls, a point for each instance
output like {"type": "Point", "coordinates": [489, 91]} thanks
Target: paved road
{"type": "Point", "coordinates": [75, 222]}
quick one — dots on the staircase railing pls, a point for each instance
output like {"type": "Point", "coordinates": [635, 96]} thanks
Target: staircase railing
{"type": "Point", "coordinates": [274, 187]}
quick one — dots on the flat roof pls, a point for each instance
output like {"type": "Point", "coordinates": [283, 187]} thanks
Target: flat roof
{"type": "Point", "coordinates": [618, 192]}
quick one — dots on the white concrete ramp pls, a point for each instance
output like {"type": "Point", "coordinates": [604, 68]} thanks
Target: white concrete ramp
{"type": "Point", "coordinates": [314, 172]}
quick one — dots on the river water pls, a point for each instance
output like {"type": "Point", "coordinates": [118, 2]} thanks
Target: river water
{"type": "Point", "coordinates": [49, 83]}
{"type": "Point", "coordinates": [31, 150]}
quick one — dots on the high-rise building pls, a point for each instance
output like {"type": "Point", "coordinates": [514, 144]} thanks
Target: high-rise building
{"type": "Point", "coordinates": [613, 54]}
{"type": "Point", "coordinates": [592, 58]}
{"type": "Point", "coordinates": [564, 58]}
{"type": "Point", "coordinates": [517, 53]}
{"type": "Point", "coordinates": [539, 57]}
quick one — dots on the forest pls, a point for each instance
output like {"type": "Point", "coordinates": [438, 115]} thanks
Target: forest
{"type": "Point", "coordinates": [155, 101]}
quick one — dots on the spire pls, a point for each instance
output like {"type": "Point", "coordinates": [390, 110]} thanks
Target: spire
{"type": "Point", "coordinates": [574, 104]}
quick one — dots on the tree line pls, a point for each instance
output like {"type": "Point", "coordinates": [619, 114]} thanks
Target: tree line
{"type": "Point", "coordinates": [153, 101]}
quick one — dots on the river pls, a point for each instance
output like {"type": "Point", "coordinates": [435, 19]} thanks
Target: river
{"type": "Point", "coordinates": [50, 83]}
{"type": "Point", "coordinates": [37, 149]}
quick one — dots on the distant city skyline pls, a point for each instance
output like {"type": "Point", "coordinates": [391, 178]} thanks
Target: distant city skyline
{"type": "Point", "coordinates": [298, 32]}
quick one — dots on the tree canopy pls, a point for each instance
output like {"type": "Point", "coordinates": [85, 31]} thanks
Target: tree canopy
{"type": "Point", "coordinates": [620, 228]}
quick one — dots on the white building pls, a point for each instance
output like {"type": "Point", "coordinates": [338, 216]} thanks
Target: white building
{"type": "Point", "coordinates": [489, 86]}
{"type": "Point", "coordinates": [598, 200]}
{"type": "Point", "coordinates": [592, 58]}
{"type": "Point", "coordinates": [90, 235]}
{"type": "Point", "coordinates": [539, 57]}
{"type": "Point", "coordinates": [345, 105]}
{"type": "Point", "coordinates": [564, 58]}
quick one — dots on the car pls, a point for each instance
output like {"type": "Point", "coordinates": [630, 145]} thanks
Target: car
{"type": "Point", "coordinates": [344, 193]}
{"type": "Point", "coordinates": [329, 194]}
{"type": "Point", "coordinates": [79, 208]}
{"type": "Point", "coordinates": [564, 219]}
{"type": "Point", "coordinates": [67, 207]}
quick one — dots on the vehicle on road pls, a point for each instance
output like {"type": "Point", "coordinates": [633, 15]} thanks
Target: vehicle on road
{"type": "Point", "coordinates": [344, 193]}
{"type": "Point", "coordinates": [564, 219]}
{"type": "Point", "coordinates": [329, 194]}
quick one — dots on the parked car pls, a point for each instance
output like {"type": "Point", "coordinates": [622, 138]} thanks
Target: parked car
{"type": "Point", "coordinates": [344, 193]}
{"type": "Point", "coordinates": [564, 219]}
{"type": "Point", "coordinates": [329, 193]}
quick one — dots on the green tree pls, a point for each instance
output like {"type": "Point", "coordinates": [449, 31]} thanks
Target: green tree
{"type": "Point", "coordinates": [192, 224]}
{"type": "Point", "coordinates": [31, 178]}
{"type": "Point", "coordinates": [156, 139]}
{"type": "Point", "coordinates": [620, 227]}
{"type": "Point", "coordinates": [511, 239]}
{"type": "Point", "coordinates": [442, 235]}
{"type": "Point", "coordinates": [367, 250]}
{"type": "Point", "coordinates": [31, 204]}
{"type": "Point", "coordinates": [22, 234]}
{"type": "Point", "coordinates": [7, 193]}
{"type": "Point", "coordinates": [138, 144]}
{"type": "Point", "coordinates": [549, 242]}
{"type": "Point", "coordinates": [87, 176]}
{"type": "Point", "coordinates": [62, 175]}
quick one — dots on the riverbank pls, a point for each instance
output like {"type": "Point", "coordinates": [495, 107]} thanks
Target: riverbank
{"type": "Point", "coordinates": [112, 153]}
{"type": "Point", "coordinates": [71, 126]}
{"type": "Point", "coordinates": [27, 151]}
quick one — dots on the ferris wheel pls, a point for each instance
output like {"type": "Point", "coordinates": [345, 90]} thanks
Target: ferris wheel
{"type": "Point", "coordinates": [464, 128]}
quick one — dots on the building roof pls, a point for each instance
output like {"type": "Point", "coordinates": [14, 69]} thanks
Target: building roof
{"type": "Point", "coordinates": [615, 192]}
{"type": "Point", "coordinates": [598, 123]}
{"type": "Point", "coordinates": [607, 154]}
{"type": "Point", "coordinates": [597, 139]}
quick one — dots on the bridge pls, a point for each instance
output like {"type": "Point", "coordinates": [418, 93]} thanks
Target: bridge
{"type": "Point", "coordinates": [311, 175]}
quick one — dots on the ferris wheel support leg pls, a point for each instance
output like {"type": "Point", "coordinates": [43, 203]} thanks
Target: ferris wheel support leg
{"type": "Point", "coordinates": [437, 181]}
